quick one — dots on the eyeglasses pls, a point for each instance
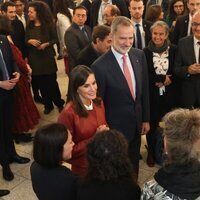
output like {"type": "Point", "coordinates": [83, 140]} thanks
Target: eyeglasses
{"type": "Point", "coordinates": [195, 24]}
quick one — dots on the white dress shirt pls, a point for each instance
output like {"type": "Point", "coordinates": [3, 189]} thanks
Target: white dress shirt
{"type": "Point", "coordinates": [118, 57]}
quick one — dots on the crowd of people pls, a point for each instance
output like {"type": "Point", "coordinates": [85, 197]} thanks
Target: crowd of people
{"type": "Point", "coordinates": [129, 63]}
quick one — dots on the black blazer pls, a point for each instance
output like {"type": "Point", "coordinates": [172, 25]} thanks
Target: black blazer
{"type": "Point", "coordinates": [108, 190]}
{"type": "Point", "coordinates": [122, 111]}
{"type": "Point", "coordinates": [180, 29]}
{"type": "Point", "coordinates": [95, 10]}
{"type": "Point", "coordinates": [18, 36]}
{"type": "Point", "coordinates": [87, 56]}
{"type": "Point", "coordinates": [75, 42]}
{"type": "Point", "coordinates": [190, 84]}
{"type": "Point", "coordinates": [146, 26]}
{"type": "Point", "coordinates": [171, 97]}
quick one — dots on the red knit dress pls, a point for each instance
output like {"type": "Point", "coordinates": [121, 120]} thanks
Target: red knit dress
{"type": "Point", "coordinates": [26, 115]}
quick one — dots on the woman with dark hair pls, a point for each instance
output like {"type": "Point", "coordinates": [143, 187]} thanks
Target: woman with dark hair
{"type": "Point", "coordinates": [154, 13]}
{"type": "Point", "coordinates": [40, 37]}
{"type": "Point", "coordinates": [160, 55]}
{"type": "Point", "coordinates": [176, 8]}
{"type": "Point", "coordinates": [84, 114]}
{"type": "Point", "coordinates": [110, 173]}
{"type": "Point", "coordinates": [63, 16]}
{"type": "Point", "coordinates": [50, 179]}
{"type": "Point", "coordinates": [179, 178]}
{"type": "Point", "coordinates": [25, 111]}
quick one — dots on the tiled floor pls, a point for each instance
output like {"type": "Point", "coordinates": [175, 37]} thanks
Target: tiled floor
{"type": "Point", "coordinates": [20, 187]}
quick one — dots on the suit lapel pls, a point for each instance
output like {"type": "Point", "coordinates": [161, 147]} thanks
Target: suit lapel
{"type": "Point", "coordinates": [191, 47]}
{"type": "Point", "coordinates": [135, 65]}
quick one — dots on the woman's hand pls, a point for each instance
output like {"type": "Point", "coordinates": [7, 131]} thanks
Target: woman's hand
{"type": "Point", "coordinates": [34, 42]}
{"type": "Point", "coordinates": [167, 80]}
{"type": "Point", "coordinates": [43, 46]}
{"type": "Point", "coordinates": [159, 84]}
{"type": "Point", "coordinates": [102, 127]}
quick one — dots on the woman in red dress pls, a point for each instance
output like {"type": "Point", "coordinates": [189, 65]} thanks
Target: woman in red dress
{"type": "Point", "coordinates": [25, 111]}
{"type": "Point", "coordinates": [84, 115]}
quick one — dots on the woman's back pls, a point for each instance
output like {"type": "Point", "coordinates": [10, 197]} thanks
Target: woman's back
{"type": "Point", "coordinates": [53, 183]}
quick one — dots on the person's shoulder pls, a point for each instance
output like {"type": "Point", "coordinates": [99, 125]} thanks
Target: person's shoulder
{"type": "Point", "coordinates": [69, 108]}
{"type": "Point", "coordinates": [136, 52]}
{"type": "Point", "coordinates": [102, 59]}
{"type": "Point", "coordinates": [146, 22]}
{"type": "Point", "coordinates": [183, 18]}
{"type": "Point", "coordinates": [173, 46]}
{"type": "Point", "coordinates": [72, 28]}
{"type": "Point", "coordinates": [185, 40]}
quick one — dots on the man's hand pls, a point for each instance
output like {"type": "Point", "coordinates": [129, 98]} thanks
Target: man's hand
{"type": "Point", "coordinates": [15, 78]}
{"type": "Point", "coordinates": [145, 128]}
{"type": "Point", "coordinates": [7, 85]}
{"type": "Point", "coordinates": [194, 69]}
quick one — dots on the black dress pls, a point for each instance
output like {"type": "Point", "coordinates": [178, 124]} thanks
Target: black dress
{"type": "Point", "coordinates": [110, 190]}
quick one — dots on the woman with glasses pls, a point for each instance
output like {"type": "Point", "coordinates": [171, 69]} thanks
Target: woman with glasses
{"type": "Point", "coordinates": [176, 8]}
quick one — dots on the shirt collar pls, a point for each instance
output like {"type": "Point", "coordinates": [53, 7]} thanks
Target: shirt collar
{"type": "Point", "coordinates": [196, 40]}
{"type": "Point", "coordinates": [90, 107]}
{"type": "Point", "coordinates": [118, 55]}
{"type": "Point", "coordinates": [106, 3]}
{"type": "Point", "coordinates": [140, 23]}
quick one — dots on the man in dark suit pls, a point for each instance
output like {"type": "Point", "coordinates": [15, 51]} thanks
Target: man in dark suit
{"type": "Point", "coordinates": [136, 9]}
{"type": "Point", "coordinates": [122, 79]}
{"type": "Point", "coordinates": [77, 36]}
{"type": "Point", "coordinates": [8, 80]}
{"type": "Point", "coordinates": [188, 65]}
{"type": "Point", "coordinates": [101, 42]}
{"type": "Point", "coordinates": [183, 23]}
{"type": "Point", "coordinates": [98, 7]}
{"type": "Point", "coordinates": [18, 31]}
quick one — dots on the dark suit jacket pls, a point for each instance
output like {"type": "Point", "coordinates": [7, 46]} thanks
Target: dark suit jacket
{"type": "Point", "coordinates": [8, 58]}
{"type": "Point", "coordinates": [18, 36]}
{"type": "Point", "coordinates": [190, 84]}
{"type": "Point", "coordinates": [87, 56]}
{"type": "Point", "coordinates": [122, 111]}
{"type": "Point", "coordinates": [75, 42]}
{"type": "Point", "coordinates": [95, 10]}
{"type": "Point", "coordinates": [169, 99]}
{"type": "Point", "coordinates": [180, 29]}
{"type": "Point", "coordinates": [146, 26]}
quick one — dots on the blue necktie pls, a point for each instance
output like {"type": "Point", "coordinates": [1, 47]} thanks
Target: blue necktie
{"type": "Point", "coordinates": [85, 33]}
{"type": "Point", "coordinates": [139, 37]}
{"type": "Point", "coordinates": [3, 67]}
